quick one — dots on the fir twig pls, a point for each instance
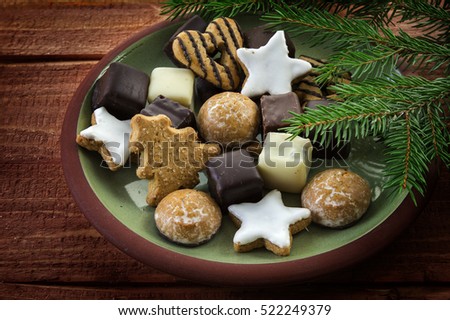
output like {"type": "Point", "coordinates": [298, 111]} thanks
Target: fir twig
{"type": "Point", "coordinates": [214, 9]}
{"type": "Point", "coordinates": [406, 111]}
{"type": "Point", "coordinates": [433, 17]}
{"type": "Point", "coordinates": [357, 40]}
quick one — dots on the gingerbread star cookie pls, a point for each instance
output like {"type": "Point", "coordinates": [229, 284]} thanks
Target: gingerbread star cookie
{"type": "Point", "coordinates": [170, 158]}
{"type": "Point", "coordinates": [267, 223]}
{"type": "Point", "coordinates": [269, 69]}
{"type": "Point", "coordinates": [109, 136]}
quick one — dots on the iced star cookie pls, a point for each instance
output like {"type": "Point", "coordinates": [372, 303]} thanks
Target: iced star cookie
{"type": "Point", "coordinates": [109, 136]}
{"type": "Point", "coordinates": [269, 69]}
{"type": "Point", "coordinates": [188, 217]}
{"type": "Point", "coordinates": [170, 158]}
{"type": "Point", "coordinates": [267, 223]}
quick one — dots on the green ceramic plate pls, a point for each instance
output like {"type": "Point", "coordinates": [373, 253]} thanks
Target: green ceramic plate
{"type": "Point", "coordinates": [115, 201]}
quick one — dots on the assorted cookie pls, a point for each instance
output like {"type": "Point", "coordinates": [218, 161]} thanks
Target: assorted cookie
{"type": "Point", "coordinates": [173, 83]}
{"type": "Point", "coordinates": [179, 116]}
{"type": "Point", "coordinates": [109, 136]}
{"type": "Point", "coordinates": [229, 118]}
{"type": "Point", "coordinates": [196, 50]}
{"type": "Point", "coordinates": [233, 178]}
{"type": "Point", "coordinates": [337, 198]}
{"type": "Point", "coordinates": [170, 158]}
{"type": "Point", "coordinates": [267, 223]}
{"type": "Point", "coordinates": [194, 23]}
{"type": "Point", "coordinates": [122, 90]}
{"type": "Point", "coordinates": [284, 163]}
{"type": "Point", "coordinates": [188, 217]}
{"type": "Point", "coordinates": [269, 69]}
{"type": "Point", "coordinates": [275, 109]}
{"type": "Point", "coordinates": [244, 87]}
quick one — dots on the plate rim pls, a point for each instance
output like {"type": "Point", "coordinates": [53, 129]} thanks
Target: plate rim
{"type": "Point", "coordinates": [207, 271]}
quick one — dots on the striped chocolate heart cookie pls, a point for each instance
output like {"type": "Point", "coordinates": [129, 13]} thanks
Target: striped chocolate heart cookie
{"type": "Point", "coordinates": [195, 50]}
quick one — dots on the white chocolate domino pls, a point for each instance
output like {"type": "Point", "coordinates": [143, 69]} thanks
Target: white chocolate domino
{"type": "Point", "coordinates": [284, 164]}
{"type": "Point", "coordinates": [173, 83]}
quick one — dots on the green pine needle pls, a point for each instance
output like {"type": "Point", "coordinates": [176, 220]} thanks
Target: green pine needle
{"type": "Point", "coordinates": [406, 111]}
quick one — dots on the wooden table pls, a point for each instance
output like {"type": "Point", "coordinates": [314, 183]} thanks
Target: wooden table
{"type": "Point", "coordinates": [48, 250]}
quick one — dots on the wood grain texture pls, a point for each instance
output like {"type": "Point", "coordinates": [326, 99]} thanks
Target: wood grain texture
{"type": "Point", "coordinates": [47, 247]}
{"type": "Point", "coordinates": [70, 32]}
{"type": "Point", "coordinates": [55, 291]}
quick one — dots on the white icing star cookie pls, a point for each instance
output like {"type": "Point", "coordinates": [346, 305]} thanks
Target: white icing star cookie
{"type": "Point", "coordinates": [267, 223]}
{"type": "Point", "coordinates": [269, 68]}
{"type": "Point", "coordinates": [107, 133]}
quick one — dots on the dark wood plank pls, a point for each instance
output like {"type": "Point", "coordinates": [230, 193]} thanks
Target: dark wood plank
{"type": "Point", "coordinates": [44, 237]}
{"type": "Point", "coordinates": [70, 31]}
{"type": "Point", "coordinates": [19, 291]}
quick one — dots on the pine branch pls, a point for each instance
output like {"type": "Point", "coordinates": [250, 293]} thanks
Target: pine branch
{"type": "Point", "coordinates": [374, 62]}
{"type": "Point", "coordinates": [182, 8]}
{"type": "Point", "coordinates": [214, 9]}
{"type": "Point", "coordinates": [431, 17]}
{"type": "Point", "coordinates": [347, 36]}
{"type": "Point", "coordinates": [406, 111]}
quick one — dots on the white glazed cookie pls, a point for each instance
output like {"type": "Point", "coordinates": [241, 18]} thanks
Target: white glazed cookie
{"type": "Point", "coordinates": [188, 217]}
{"type": "Point", "coordinates": [229, 118]}
{"type": "Point", "coordinates": [269, 69]}
{"type": "Point", "coordinates": [109, 136]}
{"type": "Point", "coordinates": [267, 223]}
{"type": "Point", "coordinates": [336, 197]}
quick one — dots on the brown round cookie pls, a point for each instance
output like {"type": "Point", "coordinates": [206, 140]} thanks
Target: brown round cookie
{"type": "Point", "coordinates": [189, 217]}
{"type": "Point", "coordinates": [229, 118]}
{"type": "Point", "coordinates": [336, 197]}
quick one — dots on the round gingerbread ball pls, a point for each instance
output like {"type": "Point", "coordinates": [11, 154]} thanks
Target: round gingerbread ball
{"type": "Point", "coordinates": [189, 217]}
{"type": "Point", "coordinates": [336, 197]}
{"type": "Point", "coordinates": [229, 118]}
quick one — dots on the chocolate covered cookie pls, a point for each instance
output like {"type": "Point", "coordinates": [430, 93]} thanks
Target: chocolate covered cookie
{"type": "Point", "coordinates": [180, 116]}
{"type": "Point", "coordinates": [122, 90]}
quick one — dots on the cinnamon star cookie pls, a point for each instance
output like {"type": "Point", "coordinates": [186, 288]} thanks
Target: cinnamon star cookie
{"type": "Point", "coordinates": [267, 223]}
{"type": "Point", "coordinates": [269, 69]}
{"type": "Point", "coordinates": [107, 135]}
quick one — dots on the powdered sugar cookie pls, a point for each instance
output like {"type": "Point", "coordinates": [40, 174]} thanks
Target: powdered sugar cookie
{"type": "Point", "coordinates": [229, 118]}
{"type": "Point", "coordinates": [188, 217]}
{"type": "Point", "coordinates": [336, 197]}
